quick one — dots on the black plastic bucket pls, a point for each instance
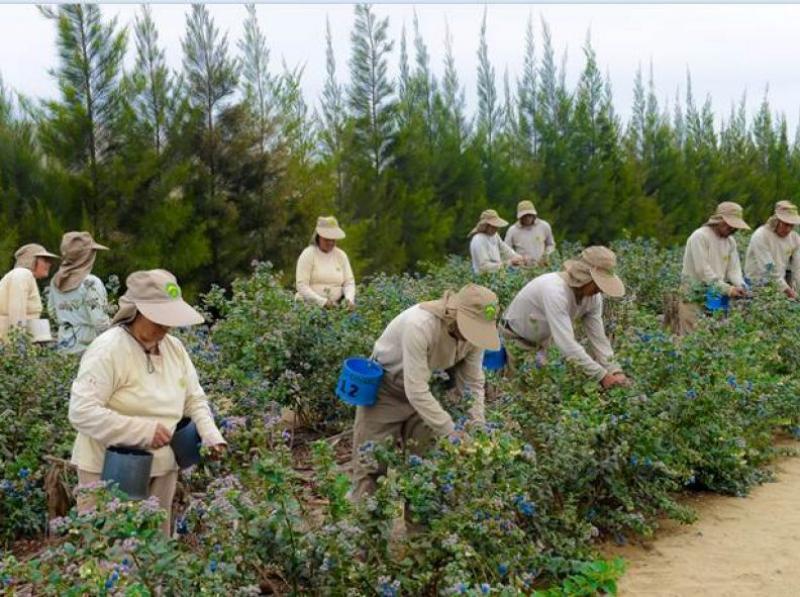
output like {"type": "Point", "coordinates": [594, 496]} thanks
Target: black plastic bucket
{"type": "Point", "coordinates": [130, 469]}
{"type": "Point", "coordinates": [186, 443]}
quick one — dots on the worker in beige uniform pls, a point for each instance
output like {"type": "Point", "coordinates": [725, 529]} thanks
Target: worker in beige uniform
{"type": "Point", "coordinates": [136, 382]}
{"type": "Point", "coordinates": [19, 295]}
{"type": "Point", "coordinates": [451, 332]}
{"type": "Point", "coordinates": [711, 260]}
{"type": "Point", "coordinates": [488, 251]}
{"type": "Point", "coordinates": [545, 309]}
{"type": "Point", "coordinates": [774, 249]}
{"type": "Point", "coordinates": [530, 236]}
{"type": "Point", "coordinates": [324, 276]}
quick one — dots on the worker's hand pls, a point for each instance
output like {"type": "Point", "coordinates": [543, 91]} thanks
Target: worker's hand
{"type": "Point", "coordinates": [161, 437]}
{"type": "Point", "coordinates": [330, 304]}
{"type": "Point", "coordinates": [350, 305]}
{"type": "Point", "coordinates": [614, 379]}
{"type": "Point", "coordinates": [518, 260]}
{"type": "Point", "coordinates": [790, 292]}
{"type": "Point", "coordinates": [217, 451]}
{"type": "Point", "coordinates": [737, 292]}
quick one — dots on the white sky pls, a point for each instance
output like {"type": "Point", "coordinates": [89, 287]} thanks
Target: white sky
{"type": "Point", "coordinates": [729, 48]}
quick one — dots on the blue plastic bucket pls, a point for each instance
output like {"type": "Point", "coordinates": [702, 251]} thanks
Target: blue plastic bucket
{"type": "Point", "coordinates": [186, 443]}
{"type": "Point", "coordinates": [494, 360]}
{"type": "Point", "coordinates": [715, 301]}
{"type": "Point", "coordinates": [359, 381]}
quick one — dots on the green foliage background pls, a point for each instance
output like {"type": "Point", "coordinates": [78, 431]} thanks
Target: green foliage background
{"type": "Point", "coordinates": [224, 161]}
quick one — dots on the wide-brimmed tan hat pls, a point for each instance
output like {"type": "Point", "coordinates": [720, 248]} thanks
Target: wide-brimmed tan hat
{"type": "Point", "coordinates": [26, 255]}
{"type": "Point", "coordinates": [328, 227]}
{"type": "Point", "coordinates": [78, 251]}
{"type": "Point", "coordinates": [595, 264]}
{"type": "Point", "coordinates": [156, 295]}
{"type": "Point", "coordinates": [75, 244]}
{"type": "Point", "coordinates": [731, 213]}
{"type": "Point", "coordinates": [491, 218]}
{"type": "Point", "coordinates": [786, 211]}
{"type": "Point", "coordinates": [476, 316]}
{"type": "Point", "coordinates": [525, 208]}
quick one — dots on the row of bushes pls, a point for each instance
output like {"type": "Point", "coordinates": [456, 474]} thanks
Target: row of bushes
{"type": "Point", "coordinates": [516, 507]}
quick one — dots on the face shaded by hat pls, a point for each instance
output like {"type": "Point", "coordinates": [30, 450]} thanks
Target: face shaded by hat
{"type": "Point", "coordinates": [27, 255]}
{"type": "Point", "coordinates": [595, 264]}
{"type": "Point", "coordinates": [156, 295]}
{"type": "Point", "coordinates": [786, 212]}
{"type": "Point", "coordinates": [731, 214]}
{"type": "Point", "coordinates": [525, 208]}
{"type": "Point", "coordinates": [78, 252]}
{"type": "Point", "coordinates": [328, 227]}
{"type": "Point", "coordinates": [489, 217]}
{"type": "Point", "coordinates": [476, 316]}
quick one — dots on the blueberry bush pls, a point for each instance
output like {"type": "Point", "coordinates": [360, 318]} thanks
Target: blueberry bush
{"type": "Point", "coordinates": [516, 506]}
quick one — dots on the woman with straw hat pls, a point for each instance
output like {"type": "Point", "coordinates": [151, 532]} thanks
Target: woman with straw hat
{"type": "Point", "coordinates": [489, 252]}
{"type": "Point", "coordinates": [19, 295]}
{"type": "Point", "coordinates": [77, 299]}
{"type": "Point", "coordinates": [547, 306]}
{"type": "Point", "coordinates": [136, 382]}
{"type": "Point", "coordinates": [451, 332]}
{"type": "Point", "coordinates": [530, 236]}
{"type": "Point", "coordinates": [324, 276]}
{"type": "Point", "coordinates": [775, 248]}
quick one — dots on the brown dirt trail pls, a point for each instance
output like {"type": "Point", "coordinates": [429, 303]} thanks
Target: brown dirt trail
{"type": "Point", "coordinates": [743, 547]}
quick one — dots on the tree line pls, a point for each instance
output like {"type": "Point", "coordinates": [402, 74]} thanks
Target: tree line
{"type": "Point", "coordinates": [224, 161]}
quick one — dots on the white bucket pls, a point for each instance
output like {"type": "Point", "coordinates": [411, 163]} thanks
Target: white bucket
{"type": "Point", "coordinates": [40, 330]}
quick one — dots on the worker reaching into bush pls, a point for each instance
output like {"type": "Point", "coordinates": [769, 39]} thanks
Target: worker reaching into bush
{"type": "Point", "coordinates": [711, 262]}
{"type": "Point", "coordinates": [77, 299]}
{"type": "Point", "coordinates": [775, 249]}
{"type": "Point", "coordinates": [530, 236]}
{"type": "Point", "coordinates": [451, 332]}
{"type": "Point", "coordinates": [489, 252]}
{"type": "Point", "coordinates": [324, 275]}
{"type": "Point", "coordinates": [545, 309]}
{"type": "Point", "coordinates": [135, 383]}
{"type": "Point", "coordinates": [19, 295]}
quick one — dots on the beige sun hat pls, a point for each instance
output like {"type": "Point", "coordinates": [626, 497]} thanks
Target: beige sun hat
{"type": "Point", "coordinates": [786, 211]}
{"type": "Point", "coordinates": [598, 264]}
{"type": "Point", "coordinates": [156, 295]}
{"type": "Point", "coordinates": [490, 217]}
{"type": "Point", "coordinates": [731, 213]}
{"type": "Point", "coordinates": [78, 251]}
{"type": "Point", "coordinates": [525, 208]}
{"type": "Point", "coordinates": [26, 255]}
{"type": "Point", "coordinates": [476, 315]}
{"type": "Point", "coordinates": [328, 227]}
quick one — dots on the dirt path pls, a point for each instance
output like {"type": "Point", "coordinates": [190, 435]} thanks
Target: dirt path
{"type": "Point", "coordinates": [743, 547]}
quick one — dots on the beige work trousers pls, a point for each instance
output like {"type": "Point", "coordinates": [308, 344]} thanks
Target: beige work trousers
{"type": "Point", "coordinates": [392, 416]}
{"type": "Point", "coordinates": [162, 487]}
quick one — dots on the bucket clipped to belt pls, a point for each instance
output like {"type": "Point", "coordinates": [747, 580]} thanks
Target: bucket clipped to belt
{"type": "Point", "coordinates": [130, 469]}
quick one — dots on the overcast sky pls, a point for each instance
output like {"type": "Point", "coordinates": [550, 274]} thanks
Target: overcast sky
{"type": "Point", "coordinates": [728, 48]}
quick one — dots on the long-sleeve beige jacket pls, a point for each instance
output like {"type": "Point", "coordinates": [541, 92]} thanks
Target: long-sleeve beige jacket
{"type": "Point", "coordinates": [712, 260]}
{"type": "Point", "coordinates": [324, 276]}
{"type": "Point", "coordinates": [769, 257]}
{"type": "Point", "coordinates": [19, 299]}
{"type": "Point", "coordinates": [414, 344]}
{"type": "Point", "coordinates": [115, 401]}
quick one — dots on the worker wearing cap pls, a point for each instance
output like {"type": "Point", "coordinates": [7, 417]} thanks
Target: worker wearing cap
{"type": "Point", "coordinates": [530, 236]}
{"type": "Point", "coordinates": [136, 382]}
{"type": "Point", "coordinates": [711, 256]}
{"type": "Point", "coordinates": [774, 249]}
{"type": "Point", "coordinates": [489, 252]}
{"type": "Point", "coordinates": [451, 332]}
{"type": "Point", "coordinates": [77, 299]}
{"type": "Point", "coordinates": [19, 295]}
{"type": "Point", "coordinates": [324, 276]}
{"type": "Point", "coordinates": [547, 306]}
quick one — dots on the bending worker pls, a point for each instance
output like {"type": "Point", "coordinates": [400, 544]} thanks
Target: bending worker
{"type": "Point", "coordinates": [450, 332]}
{"type": "Point", "coordinates": [489, 252]}
{"type": "Point", "coordinates": [775, 249]}
{"type": "Point", "coordinates": [530, 236]}
{"type": "Point", "coordinates": [324, 275]}
{"type": "Point", "coordinates": [19, 294]}
{"type": "Point", "coordinates": [77, 298]}
{"type": "Point", "coordinates": [546, 307]}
